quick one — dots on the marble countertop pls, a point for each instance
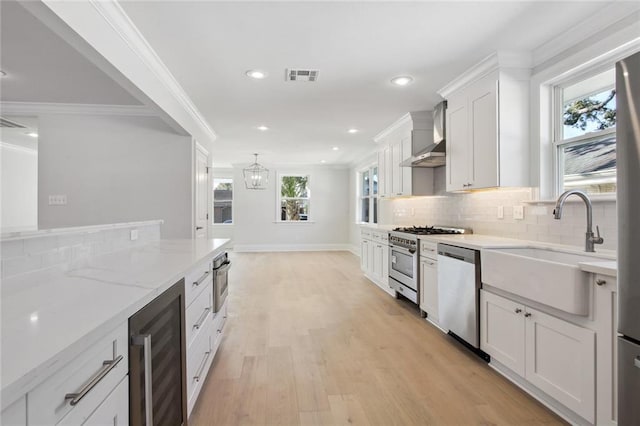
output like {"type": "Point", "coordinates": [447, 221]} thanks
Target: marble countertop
{"type": "Point", "coordinates": [475, 241]}
{"type": "Point", "coordinates": [51, 315]}
{"type": "Point", "coordinates": [609, 268]}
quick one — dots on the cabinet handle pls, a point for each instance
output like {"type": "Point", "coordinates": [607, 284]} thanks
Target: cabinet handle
{"type": "Point", "coordinates": [431, 263]}
{"type": "Point", "coordinates": [399, 193]}
{"type": "Point", "coordinates": [198, 324]}
{"type": "Point", "coordinates": [527, 315]}
{"type": "Point", "coordinates": [107, 366]}
{"type": "Point", "coordinates": [601, 282]}
{"type": "Point", "coordinates": [202, 278]}
{"type": "Point", "coordinates": [518, 311]}
{"type": "Point", "coordinates": [201, 368]}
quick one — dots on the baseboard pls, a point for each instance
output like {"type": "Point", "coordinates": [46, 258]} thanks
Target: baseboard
{"type": "Point", "coordinates": [246, 248]}
{"type": "Point", "coordinates": [354, 249]}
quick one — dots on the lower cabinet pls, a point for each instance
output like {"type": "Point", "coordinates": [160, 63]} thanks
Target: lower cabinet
{"type": "Point", "coordinates": [374, 257]}
{"type": "Point", "coordinates": [429, 287]}
{"type": "Point", "coordinates": [114, 410]}
{"type": "Point", "coordinates": [554, 355]}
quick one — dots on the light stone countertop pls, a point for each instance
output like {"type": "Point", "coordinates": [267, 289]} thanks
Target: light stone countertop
{"type": "Point", "coordinates": [52, 315]}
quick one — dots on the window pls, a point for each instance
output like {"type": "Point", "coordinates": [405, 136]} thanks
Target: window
{"type": "Point", "coordinates": [369, 195]}
{"type": "Point", "coordinates": [223, 200]}
{"type": "Point", "coordinates": [585, 137]}
{"type": "Point", "coordinates": [294, 198]}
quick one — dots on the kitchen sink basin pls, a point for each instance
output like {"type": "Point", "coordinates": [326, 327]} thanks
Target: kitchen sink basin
{"type": "Point", "coordinates": [544, 275]}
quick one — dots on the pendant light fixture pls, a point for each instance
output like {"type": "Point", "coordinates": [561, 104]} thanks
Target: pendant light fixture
{"type": "Point", "coordinates": [256, 176]}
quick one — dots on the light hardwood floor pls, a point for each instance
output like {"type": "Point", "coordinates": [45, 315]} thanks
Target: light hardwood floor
{"type": "Point", "coordinates": [310, 341]}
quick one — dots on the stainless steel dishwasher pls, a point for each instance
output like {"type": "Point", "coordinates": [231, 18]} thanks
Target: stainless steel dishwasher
{"type": "Point", "coordinates": [459, 294]}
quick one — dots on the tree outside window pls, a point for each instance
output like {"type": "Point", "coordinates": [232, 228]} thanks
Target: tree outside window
{"type": "Point", "coordinates": [222, 200]}
{"type": "Point", "coordinates": [585, 134]}
{"type": "Point", "coordinates": [295, 198]}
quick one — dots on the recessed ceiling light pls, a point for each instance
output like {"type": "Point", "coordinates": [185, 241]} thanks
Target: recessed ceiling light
{"type": "Point", "coordinates": [402, 80]}
{"type": "Point", "coordinates": [32, 134]}
{"type": "Point", "coordinates": [353, 130]}
{"type": "Point", "coordinates": [335, 148]}
{"type": "Point", "coordinates": [257, 74]}
{"type": "Point", "coordinates": [263, 128]}
{"type": "Point", "coordinates": [323, 161]}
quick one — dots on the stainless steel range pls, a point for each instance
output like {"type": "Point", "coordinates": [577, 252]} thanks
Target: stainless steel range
{"type": "Point", "coordinates": [404, 255]}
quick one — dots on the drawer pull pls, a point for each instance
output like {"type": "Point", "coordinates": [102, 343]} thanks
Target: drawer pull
{"type": "Point", "coordinates": [198, 324]}
{"type": "Point", "coordinates": [601, 282]}
{"type": "Point", "coordinates": [107, 366]}
{"type": "Point", "coordinates": [201, 368]}
{"type": "Point", "coordinates": [201, 279]}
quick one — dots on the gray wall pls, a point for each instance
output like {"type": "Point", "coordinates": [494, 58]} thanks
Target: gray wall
{"type": "Point", "coordinates": [114, 169]}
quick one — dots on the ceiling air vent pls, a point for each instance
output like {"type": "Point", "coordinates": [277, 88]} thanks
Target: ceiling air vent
{"type": "Point", "coordinates": [301, 75]}
{"type": "Point", "coordinates": [11, 124]}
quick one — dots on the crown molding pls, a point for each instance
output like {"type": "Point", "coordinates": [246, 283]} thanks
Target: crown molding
{"type": "Point", "coordinates": [614, 13]}
{"type": "Point", "coordinates": [117, 18]}
{"type": "Point", "coordinates": [493, 62]}
{"type": "Point", "coordinates": [39, 108]}
{"type": "Point", "coordinates": [415, 119]}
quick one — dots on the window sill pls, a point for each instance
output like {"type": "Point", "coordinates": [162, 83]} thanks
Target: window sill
{"type": "Point", "coordinates": [604, 198]}
{"type": "Point", "coordinates": [223, 224]}
{"type": "Point", "coordinates": [294, 222]}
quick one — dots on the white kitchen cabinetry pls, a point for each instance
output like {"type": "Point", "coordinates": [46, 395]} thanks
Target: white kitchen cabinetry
{"type": "Point", "coordinates": [429, 280]}
{"type": "Point", "coordinates": [606, 312]}
{"type": "Point", "coordinates": [48, 402]}
{"type": "Point", "coordinates": [374, 257]}
{"type": "Point", "coordinates": [554, 355]}
{"type": "Point", "coordinates": [113, 411]}
{"type": "Point", "coordinates": [487, 125]}
{"type": "Point", "coordinates": [410, 134]}
{"type": "Point", "coordinates": [15, 414]}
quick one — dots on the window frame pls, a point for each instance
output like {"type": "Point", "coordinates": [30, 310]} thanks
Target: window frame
{"type": "Point", "coordinates": [233, 201]}
{"type": "Point", "coordinates": [280, 198]}
{"type": "Point", "coordinates": [557, 141]}
{"type": "Point", "coordinates": [374, 196]}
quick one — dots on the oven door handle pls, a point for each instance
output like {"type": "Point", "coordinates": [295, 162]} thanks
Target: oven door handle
{"type": "Point", "coordinates": [403, 249]}
{"type": "Point", "coordinates": [223, 269]}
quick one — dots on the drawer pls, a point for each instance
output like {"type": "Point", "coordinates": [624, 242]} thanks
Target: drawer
{"type": "Point", "coordinates": [375, 236]}
{"type": "Point", "coordinates": [218, 327]}
{"type": "Point", "coordinates": [88, 375]}
{"type": "Point", "coordinates": [113, 411]}
{"type": "Point", "coordinates": [199, 358]}
{"type": "Point", "coordinates": [365, 233]}
{"type": "Point", "coordinates": [384, 236]}
{"type": "Point", "coordinates": [196, 280]}
{"type": "Point", "coordinates": [429, 249]}
{"type": "Point", "coordinates": [198, 314]}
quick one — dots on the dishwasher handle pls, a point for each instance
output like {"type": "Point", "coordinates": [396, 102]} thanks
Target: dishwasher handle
{"type": "Point", "coordinates": [454, 256]}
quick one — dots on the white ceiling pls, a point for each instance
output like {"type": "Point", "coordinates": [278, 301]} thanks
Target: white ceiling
{"type": "Point", "coordinates": [357, 46]}
{"type": "Point", "coordinates": [42, 67]}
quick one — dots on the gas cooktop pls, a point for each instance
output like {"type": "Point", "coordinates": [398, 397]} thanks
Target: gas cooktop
{"type": "Point", "coordinates": [432, 230]}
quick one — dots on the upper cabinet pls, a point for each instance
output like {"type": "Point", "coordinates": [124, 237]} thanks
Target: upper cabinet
{"type": "Point", "coordinates": [410, 134]}
{"type": "Point", "coordinates": [488, 124]}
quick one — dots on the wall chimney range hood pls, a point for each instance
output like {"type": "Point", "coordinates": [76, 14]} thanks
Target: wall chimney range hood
{"type": "Point", "coordinates": [434, 154]}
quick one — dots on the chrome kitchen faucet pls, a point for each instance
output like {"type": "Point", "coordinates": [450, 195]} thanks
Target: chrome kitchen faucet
{"type": "Point", "coordinates": [590, 240]}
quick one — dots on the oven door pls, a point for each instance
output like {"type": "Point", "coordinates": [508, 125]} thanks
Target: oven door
{"type": "Point", "coordinates": [403, 266]}
{"type": "Point", "coordinates": [220, 285]}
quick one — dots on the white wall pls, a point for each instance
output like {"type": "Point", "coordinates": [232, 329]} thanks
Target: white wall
{"type": "Point", "coordinates": [19, 192]}
{"type": "Point", "coordinates": [114, 169]}
{"type": "Point", "coordinates": [255, 213]}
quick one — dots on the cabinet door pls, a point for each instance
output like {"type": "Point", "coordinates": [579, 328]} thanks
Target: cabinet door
{"type": "Point", "coordinates": [382, 178]}
{"type": "Point", "coordinates": [560, 360]}
{"type": "Point", "coordinates": [388, 170]}
{"type": "Point", "coordinates": [483, 109]}
{"type": "Point", "coordinates": [502, 331]}
{"type": "Point", "coordinates": [385, 265]}
{"type": "Point", "coordinates": [114, 410]}
{"type": "Point", "coordinates": [458, 155]}
{"type": "Point", "coordinates": [364, 255]}
{"type": "Point", "coordinates": [406, 172]}
{"type": "Point", "coordinates": [377, 262]}
{"type": "Point", "coordinates": [396, 159]}
{"type": "Point", "coordinates": [370, 257]}
{"type": "Point", "coordinates": [429, 287]}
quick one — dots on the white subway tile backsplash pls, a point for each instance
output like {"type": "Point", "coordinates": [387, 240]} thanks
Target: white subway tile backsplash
{"type": "Point", "coordinates": [36, 252]}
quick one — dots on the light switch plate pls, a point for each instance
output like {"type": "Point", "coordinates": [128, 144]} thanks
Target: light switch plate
{"type": "Point", "coordinates": [518, 212]}
{"type": "Point", "coordinates": [57, 200]}
{"type": "Point", "coordinates": [500, 212]}
{"type": "Point", "coordinates": [134, 234]}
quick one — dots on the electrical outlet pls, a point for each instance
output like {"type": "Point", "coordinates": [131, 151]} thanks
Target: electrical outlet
{"type": "Point", "coordinates": [518, 212]}
{"type": "Point", "coordinates": [500, 212]}
{"type": "Point", "coordinates": [134, 234]}
{"type": "Point", "coordinates": [57, 200]}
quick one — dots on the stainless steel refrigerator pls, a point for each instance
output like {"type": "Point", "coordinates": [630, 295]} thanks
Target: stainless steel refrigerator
{"type": "Point", "coordinates": [628, 147]}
